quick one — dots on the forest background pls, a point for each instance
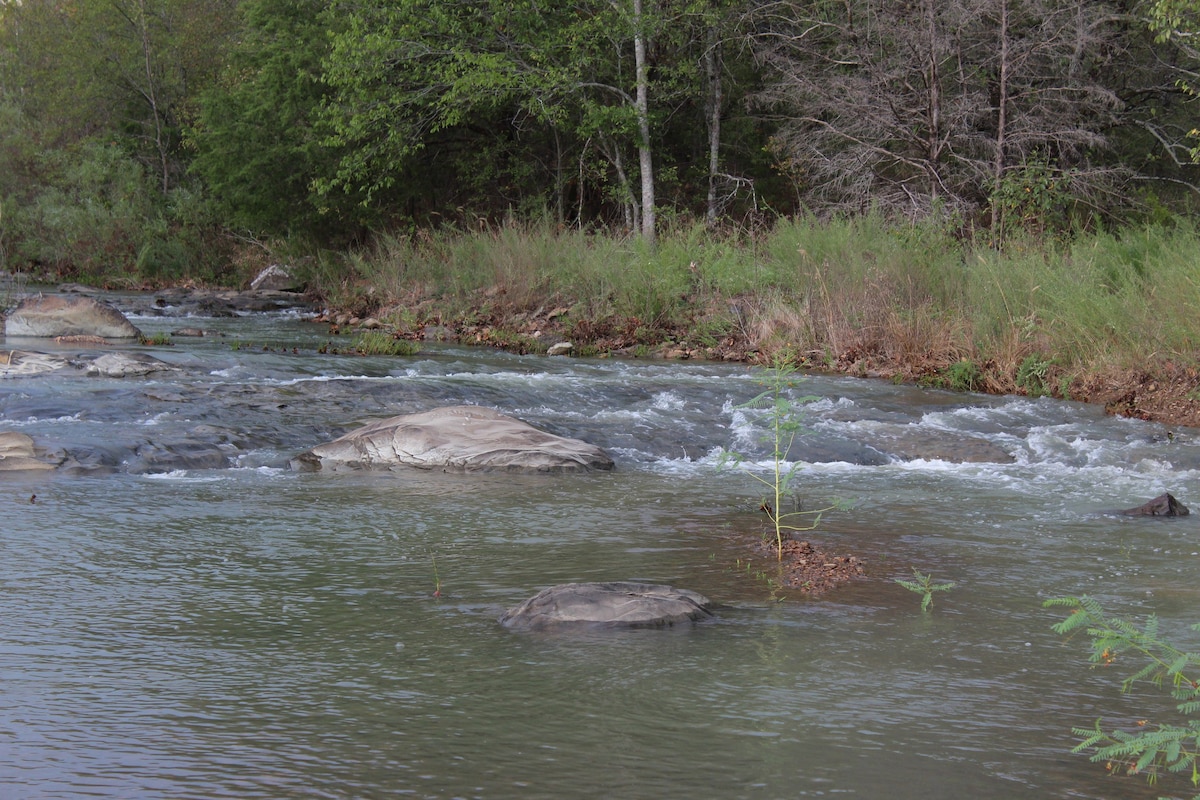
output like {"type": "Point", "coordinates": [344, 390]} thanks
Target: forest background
{"type": "Point", "coordinates": [993, 195]}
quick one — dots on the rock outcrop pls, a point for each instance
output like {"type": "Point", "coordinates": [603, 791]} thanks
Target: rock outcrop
{"type": "Point", "coordinates": [18, 454]}
{"type": "Point", "coordinates": [277, 278]}
{"type": "Point", "coordinates": [458, 439]}
{"type": "Point", "coordinates": [1165, 505]}
{"type": "Point", "coordinates": [50, 316]}
{"type": "Point", "coordinates": [617, 605]}
{"type": "Point", "coordinates": [22, 364]}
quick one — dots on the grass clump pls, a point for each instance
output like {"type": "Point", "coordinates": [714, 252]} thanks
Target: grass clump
{"type": "Point", "coordinates": [378, 343]}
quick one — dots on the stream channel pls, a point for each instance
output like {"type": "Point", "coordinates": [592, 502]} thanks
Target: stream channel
{"type": "Point", "coordinates": [230, 628]}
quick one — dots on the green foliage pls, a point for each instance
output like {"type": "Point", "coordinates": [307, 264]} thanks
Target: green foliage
{"type": "Point", "coordinates": [1150, 749]}
{"type": "Point", "coordinates": [160, 339]}
{"type": "Point", "coordinates": [255, 137]}
{"type": "Point", "coordinates": [1032, 373]}
{"type": "Point", "coordinates": [1033, 198]}
{"type": "Point", "coordinates": [963, 376]}
{"type": "Point", "coordinates": [923, 585]}
{"type": "Point", "coordinates": [784, 422]}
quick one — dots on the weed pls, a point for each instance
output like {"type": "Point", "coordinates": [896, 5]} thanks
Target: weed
{"type": "Point", "coordinates": [1150, 748]}
{"type": "Point", "coordinates": [160, 339]}
{"type": "Point", "coordinates": [924, 586]}
{"type": "Point", "coordinates": [784, 424]}
{"type": "Point", "coordinates": [963, 376]}
{"type": "Point", "coordinates": [1031, 375]}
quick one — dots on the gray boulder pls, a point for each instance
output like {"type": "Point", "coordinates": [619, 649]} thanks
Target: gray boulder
{"type": "Point", "coordinates": [615, 605]}
{"type": "Point", "coordinates": [50, 316]}
{"type": "Point", "coordinates": [455, 438]}
{"type": "Point", "coordinates": [1165, 505]}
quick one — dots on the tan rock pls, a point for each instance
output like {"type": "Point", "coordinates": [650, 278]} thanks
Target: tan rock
{"type": "Point", "coordinates": [455, 438]}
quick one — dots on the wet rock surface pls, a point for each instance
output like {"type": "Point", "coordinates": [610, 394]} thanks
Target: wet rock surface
{"type": "Point", "coordinates": [455, 438]}
{"type": "Point", "coordinates": [1165, 505]}
{"type": "Point", "coordinates": [50, 316]}
{"type": "Point", "coordinates": [618, 604]}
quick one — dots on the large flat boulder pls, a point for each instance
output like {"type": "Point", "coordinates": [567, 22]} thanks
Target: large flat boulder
{"type": "Point", "coordinates": [18, 454]}
{"type": "Point", "coordinates": [455, 438]}
{"type": "Point", "coordinates": [617, 604]}
{"type": "Point", "coordinates": [50, 316]}
{"type": "Point", "coordinates": [125, 365]}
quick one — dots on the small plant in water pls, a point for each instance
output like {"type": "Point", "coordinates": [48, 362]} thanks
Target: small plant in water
{"type": "Point", "coordinates": [784, 423]}
{"type": "Point", "coordinates": [160, 339]}
{"type": "Point", "coordinates": [1149, 748]}
{"type": "Point", "coordinates": [437, 580]}
{"type": "Point", "coordinates": [923, 585]}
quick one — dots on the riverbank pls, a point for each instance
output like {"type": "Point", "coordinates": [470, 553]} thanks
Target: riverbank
{"type": "Point", "coordinates": [1104, 317]}
{"type": "Point", "coordinates": [1160, 391]}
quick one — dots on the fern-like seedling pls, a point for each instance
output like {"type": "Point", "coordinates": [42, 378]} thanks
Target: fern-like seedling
{"type": "Point", "coordinates": [924, 586]}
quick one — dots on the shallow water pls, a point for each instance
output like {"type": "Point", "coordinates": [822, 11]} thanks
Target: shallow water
{"type": "Point", "coordinates": [248, 631]}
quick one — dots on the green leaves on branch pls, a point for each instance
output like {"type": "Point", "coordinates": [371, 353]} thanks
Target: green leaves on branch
{"type": "Point", "coordinates": [1150, 748]}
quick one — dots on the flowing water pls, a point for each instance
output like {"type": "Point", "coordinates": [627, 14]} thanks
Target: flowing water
{"type": "Point", "coordinates": [223, 627]}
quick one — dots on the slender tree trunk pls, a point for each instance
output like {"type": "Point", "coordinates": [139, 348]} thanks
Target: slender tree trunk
{"type": "Point", "coordinates": [151, 94]}
{"type": "Point", "coordinates": [712, 66]}
{"type": "Point", "coordinates": [998, 160]}
{"type": "Point", "coordinates": [934, 93]}
{"type": "Point", "coordinates": [642, 105]}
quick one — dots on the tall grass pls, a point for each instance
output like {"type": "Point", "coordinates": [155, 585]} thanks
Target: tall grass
{"type": "Point", "coordinates": [859, 292]}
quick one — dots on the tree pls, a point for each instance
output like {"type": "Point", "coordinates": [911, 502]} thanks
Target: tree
{"type": "Point", "coordinates": [928, 105]}
{"type": "Point", "coordinates": [255, 136]}
{"type": "Point", "coordinates": [595, 79]}
{"type": "Point", "coordinates": [123, 69]}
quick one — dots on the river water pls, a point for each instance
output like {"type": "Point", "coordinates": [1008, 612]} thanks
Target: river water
{"type": "Point", "coordinates": [229, 628]}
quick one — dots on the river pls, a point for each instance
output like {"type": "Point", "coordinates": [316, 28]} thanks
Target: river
{"type": "Point", "coordinates": [235, 629]}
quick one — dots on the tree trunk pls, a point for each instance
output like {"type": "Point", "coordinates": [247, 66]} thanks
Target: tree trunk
{"type": "Point", "coordinates": [643, 120]}
{"type": "Point", "coordinates": [998, 162]}
{"type": "Point", "coordinates": [712, 68]}
{"type": "Point", "coordinates": [151, 95]}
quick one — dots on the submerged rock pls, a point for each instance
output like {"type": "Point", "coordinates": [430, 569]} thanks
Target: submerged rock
{"type": "Point", "coordinates": [54, 315]}
{"type": "Point", "coordinates": [157, 457]}
{"type": "Point", "coordinates": [1165, 505]}
{"type": "Point", "coordinates": [455, 438]}
{"type": "Point", "coordinates": [912, 443]}
{"type": "Point", "coordinates": [617, 604]}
